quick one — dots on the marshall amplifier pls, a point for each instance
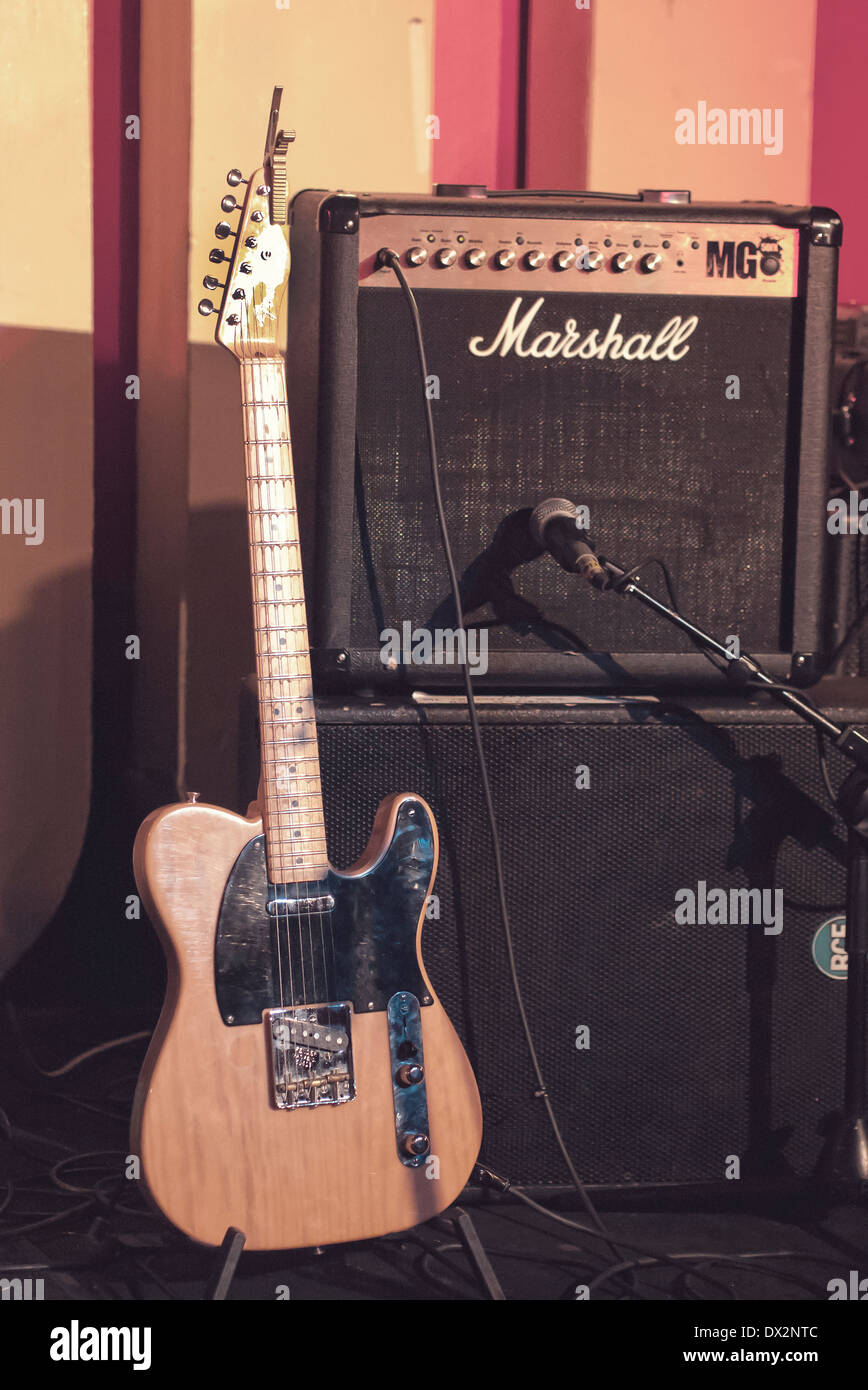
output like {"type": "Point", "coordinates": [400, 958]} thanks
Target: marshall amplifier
{"type": "Point", "coordinates": [664, 365]}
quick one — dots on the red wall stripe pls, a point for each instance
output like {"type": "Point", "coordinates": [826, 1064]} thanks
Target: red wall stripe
{"type": "Point", "coordinates": [476, 91]}
{"type": "Point", "coordinates": [840, 145]}
{"type": "Point", "coordinates": [559, 83]}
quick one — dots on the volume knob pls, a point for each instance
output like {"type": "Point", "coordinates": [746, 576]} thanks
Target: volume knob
{"type": "Point", "coordinates": [563, 260]}
{"type": "Point", "coordinates": [416, 1144]}
{"type": "Point", "coordinates": [417, 255]}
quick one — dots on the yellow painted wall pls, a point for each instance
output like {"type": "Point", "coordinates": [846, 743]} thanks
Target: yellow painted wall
{"type": "Point", "coordinates": [653, 57]}
{"type": "Point", "coordinates": [47, 442]}
{"type": "Point", "coordinates": [357, 87]}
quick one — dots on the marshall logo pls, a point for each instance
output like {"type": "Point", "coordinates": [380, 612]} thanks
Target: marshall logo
{"type": "Point", "coordinates": [729, 260]}
{"type": "Point", "coordinates": [669, 342]}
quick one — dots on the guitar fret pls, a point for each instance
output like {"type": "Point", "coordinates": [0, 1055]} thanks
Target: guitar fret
{"type": "Point", "coordinates": [284, 843]}
{"type": "Point", "coordinates": [285, 627]}
{"type": "Point", "coordinates": [303, 674]}
{"type": "Point", "coordinates": [309, 840]}
{"type": "Point", "coordinates": [285, 813]}
{"type": "Point", "coordinates": [286, 722]}
{"type": "Point", "coordinates": [276, 762]}
{"type": "Point", "coordinates": [301, 824]}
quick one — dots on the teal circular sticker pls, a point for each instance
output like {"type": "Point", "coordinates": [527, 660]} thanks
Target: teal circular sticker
{"type": "Point", "coordinates": [829, 948]}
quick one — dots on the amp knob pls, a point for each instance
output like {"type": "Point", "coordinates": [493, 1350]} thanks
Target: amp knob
{"type": "Point", "coordinates": [563, 260]}
{"type": "Point", "coordinates": [446, 256]}
{"type": "Point", "coordinates": [534, 259]}
{"type": "Point", "coordinates": [475, 257]}
{"type": "Point", "coordinates": [590, 260]}
{"type": "Point", "coordinates": [504, 259]}
{"type": "Point", "coordinates": [622, 260]}
{"type": "Point", "coordinates": [651, 261]}
{"type": "Point", "coordinates": [417, 255]}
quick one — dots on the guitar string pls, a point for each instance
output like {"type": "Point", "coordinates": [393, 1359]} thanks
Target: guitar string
{"type": "Point", "coordinates": [279, 928]}
{"type": "Point", "coordinates": [283, 923]}
{"type": "Point", "coordinates": [309, 888]}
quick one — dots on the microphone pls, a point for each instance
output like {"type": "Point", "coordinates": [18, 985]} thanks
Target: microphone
{"type": "Point", "coordinates": [553, 526]}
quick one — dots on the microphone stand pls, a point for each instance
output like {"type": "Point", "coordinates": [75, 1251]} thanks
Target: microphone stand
{"type": "Point", "coordinates": [843, 1164]}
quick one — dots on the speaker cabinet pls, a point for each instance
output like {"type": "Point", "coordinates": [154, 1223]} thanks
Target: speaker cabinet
{"type": "Point", "coordinates": [703, 1041]}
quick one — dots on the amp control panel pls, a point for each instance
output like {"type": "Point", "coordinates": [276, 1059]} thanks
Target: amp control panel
{"type": "Point", "coordinates": [636, 257]}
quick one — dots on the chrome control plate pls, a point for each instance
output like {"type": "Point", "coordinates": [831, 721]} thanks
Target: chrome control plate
{"type": "Point", "coordinates": [412, 1138]}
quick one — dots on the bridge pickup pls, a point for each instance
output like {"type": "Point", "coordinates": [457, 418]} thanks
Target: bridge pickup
{"type": "Point", "coordinates": [294, 907]}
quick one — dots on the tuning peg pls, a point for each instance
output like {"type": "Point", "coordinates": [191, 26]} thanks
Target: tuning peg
{"type": "Point", "coordinates": [228, 204]}
{"type": "Point", "coordinates": [212, 283]}
{"type": "Point", "coordinates": [205, 308]}
{"type": "Point", "coordinates": [216, 256]}
{"type": "Point", "coordinates": [223, 230]}
{"type": "Point", "coordinates": [234, 177]}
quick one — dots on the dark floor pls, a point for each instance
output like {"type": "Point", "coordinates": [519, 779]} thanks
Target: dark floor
{"type": "Point", "coordinates": [71, 1216]}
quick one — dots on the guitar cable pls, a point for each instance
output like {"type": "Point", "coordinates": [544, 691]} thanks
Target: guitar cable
{"type": "Point", "coordinates": [388, 257]}
{"type": "Point", "coordinates": [623, 1269]}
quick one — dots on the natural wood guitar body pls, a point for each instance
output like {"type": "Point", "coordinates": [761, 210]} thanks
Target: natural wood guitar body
{"type": "Point", "coordinates": [215, 1150]}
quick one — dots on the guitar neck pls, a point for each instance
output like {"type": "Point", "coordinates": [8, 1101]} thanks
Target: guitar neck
{"type": "Point", "coordinates": [291, 791]}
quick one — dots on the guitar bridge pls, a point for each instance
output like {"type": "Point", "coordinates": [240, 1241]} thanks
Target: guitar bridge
{"type": "Point", "coordinates": [311, 1054]}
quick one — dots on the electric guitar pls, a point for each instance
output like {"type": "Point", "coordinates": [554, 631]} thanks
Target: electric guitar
{"type": "Point", "coordinates": [304, 1083]}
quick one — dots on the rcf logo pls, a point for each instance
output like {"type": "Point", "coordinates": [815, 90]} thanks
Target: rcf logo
{"type": "Point", "coordinates": [730, 259]}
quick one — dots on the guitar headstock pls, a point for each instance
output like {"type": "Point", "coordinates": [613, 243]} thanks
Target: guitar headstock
{"type": "Point", "coordinates": [258, 267]}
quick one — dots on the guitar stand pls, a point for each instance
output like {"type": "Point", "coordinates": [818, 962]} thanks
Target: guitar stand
{"type": "Point", "coordinates": [232, 1245]}
{"type": "Point", "coordinates": [468, 1235]}
{"type": "Point", "coordinates": [230, 1253]}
